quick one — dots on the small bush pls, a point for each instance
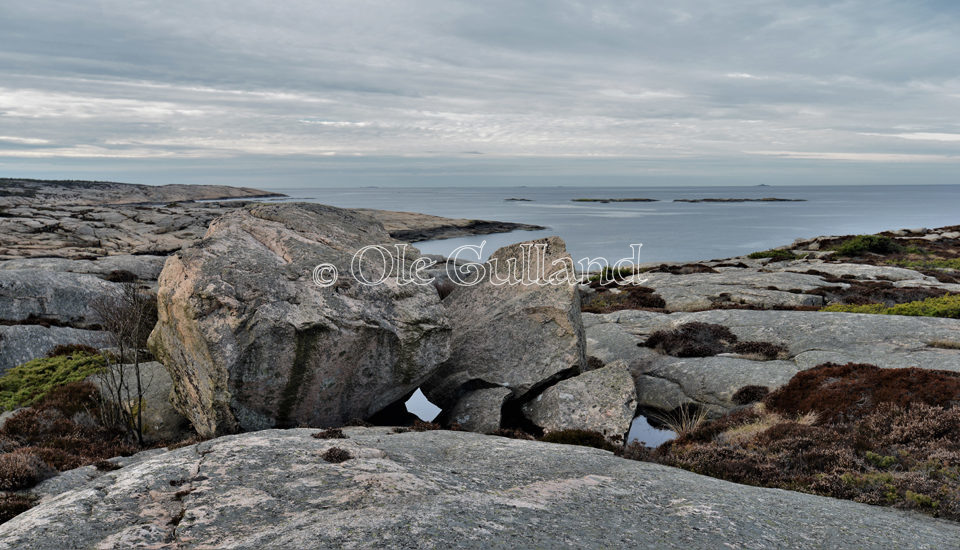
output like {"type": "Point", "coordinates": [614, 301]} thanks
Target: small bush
{"type": "Point", "coordinates": [27, 383]}
{"type": "Point", "coordinates": [337, 455]}
{"type": "Point", "coordinates": [777, 255]}
{"type": "Point", "coordinates": [947, 306]}
{"type": "Point", "coordinates": [14, 504]}
{"type": "Point", "coordinates": [583, 438]}
{"type": "Point", "coordinates": [862, 244]}
{"type": "Point", "coordinates": [692, 340]}
{"type": "Point", "coordinates": [513, 434]}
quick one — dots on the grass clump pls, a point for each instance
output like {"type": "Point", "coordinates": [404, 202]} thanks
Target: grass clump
{"type": "Point", "coordinates": [863, 244]}
{"type": "Point", "coordinates": [944, 344]}
{"type": "Point", "coordinates": [777, 255]}
{"type": "Point", "coordinates": [947, 306]}
{"type": "Point", "coordinates": [25, 384]}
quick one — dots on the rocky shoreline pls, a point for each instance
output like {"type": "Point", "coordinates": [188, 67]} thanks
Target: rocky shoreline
{"type": "Point", "coordinates": [247, 341]}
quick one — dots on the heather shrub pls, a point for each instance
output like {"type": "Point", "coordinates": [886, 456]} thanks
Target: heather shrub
{"type": "Point", "coordinates": [692, 340]}
{"type": "Point", "coordinates": [22, 469]}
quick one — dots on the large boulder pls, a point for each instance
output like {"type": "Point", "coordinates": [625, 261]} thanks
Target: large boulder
{"type": "Point", "coordinates": [438, 489]}
{"type": "Point", "coordinates": [252, 342]}
{"type": "Point", "coordinates": [602, 400]}
{"type": "Point", "coordinates": [523, 334]}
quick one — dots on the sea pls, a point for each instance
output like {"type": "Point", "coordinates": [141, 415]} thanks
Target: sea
{"type": "Point", "coordinates": [666, 231]}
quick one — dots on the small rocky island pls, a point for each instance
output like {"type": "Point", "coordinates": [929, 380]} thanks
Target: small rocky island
{"type": "Point", "coordinates": [276, 417]}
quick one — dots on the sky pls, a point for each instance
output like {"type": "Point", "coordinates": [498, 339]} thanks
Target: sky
{"type": "Point", "coordinates": [492, 92]}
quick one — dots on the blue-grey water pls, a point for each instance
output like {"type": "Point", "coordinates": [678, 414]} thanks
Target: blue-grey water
{"type": "Point", "coordinates": [668, 231]}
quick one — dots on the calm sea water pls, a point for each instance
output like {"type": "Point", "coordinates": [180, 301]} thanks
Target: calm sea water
{"type": "Point", "coordinates": [668, 231]}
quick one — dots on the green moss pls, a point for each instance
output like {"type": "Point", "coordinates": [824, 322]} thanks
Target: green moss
{"type": "Point", "coordinates": [775, 255]}
{"type": "Point", "coordinates": [25, 384]}
{"type": "Point", "coordinates": [947, 306]}
{"type": "Point", "coordinates": [862, 244]}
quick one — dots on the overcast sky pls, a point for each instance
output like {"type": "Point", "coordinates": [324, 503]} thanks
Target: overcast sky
{"type": "Point", "coordinates": [444, 91]}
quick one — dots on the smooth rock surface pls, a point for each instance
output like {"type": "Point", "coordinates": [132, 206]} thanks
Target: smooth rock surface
{"type": "Point", "coordinates": [602, 400]}
{"type": "Point", "coordinates": [440, 489]}
{"type": "Point", "coordinates": [63, 298]}
{"type": "Point", "coordinates": [145, 266]}
{"type": "Point", "coordinates": [251, 342]}
{"type": "Point", "coordinates": [518, 336]}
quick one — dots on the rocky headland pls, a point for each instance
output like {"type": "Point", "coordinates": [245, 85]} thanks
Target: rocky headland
{"type": "Point", "coordinates": [728, 353]}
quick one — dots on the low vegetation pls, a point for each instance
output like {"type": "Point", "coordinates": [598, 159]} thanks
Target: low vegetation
{"type": "Point", "coordinates": [864, 244]}
{"type": "Point", "coordinates": [25, 384]}
{"type": "Point", "coordinates": [629, 297]}
{"type": "Point", "coordinates": [879, 436]}
{"type": "Point", "coordinates": [706, 339]}
{"type": "Point", "coordinates": [777, 255]}
{"type": "Point", "coordinates": [942, 306]}
{"type": "Point", "coordinates": [63, 430]}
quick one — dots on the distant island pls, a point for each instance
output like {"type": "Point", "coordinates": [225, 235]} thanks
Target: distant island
{"type": "Point", "coordinates": [614, 200]}
{"type": "Point", "coordinates": [767, 199]}
{"type": "Point", "coordinates": [515, 199]}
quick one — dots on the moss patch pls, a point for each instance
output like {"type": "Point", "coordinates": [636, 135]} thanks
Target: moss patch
{"type": "Point", "coordinates": [25, 384]}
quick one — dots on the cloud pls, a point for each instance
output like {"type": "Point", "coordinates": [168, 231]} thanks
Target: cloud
{"type": "Point", "coordinates": [629, 83]}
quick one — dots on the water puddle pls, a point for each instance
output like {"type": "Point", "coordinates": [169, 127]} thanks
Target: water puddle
{"type": "Point", "coordinates": [643, 431]}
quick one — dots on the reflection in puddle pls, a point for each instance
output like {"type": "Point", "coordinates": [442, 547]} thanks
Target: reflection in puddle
{"type": "Point", "coordinates": [642, 430]}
